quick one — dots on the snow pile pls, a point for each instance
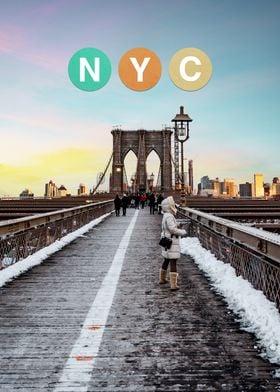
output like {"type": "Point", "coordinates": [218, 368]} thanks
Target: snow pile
{"type": "Point", "coordinates": [22, 266]}
{"type": "Point", "coordinates": [256, 313]}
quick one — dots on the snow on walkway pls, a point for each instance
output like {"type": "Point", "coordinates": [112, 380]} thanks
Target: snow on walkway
{"type": "Point", "coordinates": [37, 258]}
{"type": "Point", "coordinates": [255, 312]}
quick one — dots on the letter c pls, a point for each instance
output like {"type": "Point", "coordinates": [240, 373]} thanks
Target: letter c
{"type": "Point", "coordinates": [183, 72]}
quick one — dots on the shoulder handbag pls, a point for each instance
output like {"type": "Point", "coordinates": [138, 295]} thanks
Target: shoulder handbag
{"type": "Point", "coordinates": [165, 242]}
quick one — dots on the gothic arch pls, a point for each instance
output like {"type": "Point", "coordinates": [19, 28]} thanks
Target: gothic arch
{"type": "Point", "coordinates": [142, 143]}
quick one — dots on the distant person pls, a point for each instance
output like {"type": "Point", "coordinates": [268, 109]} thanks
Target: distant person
{"type": "Point", "coordinates": [117, 203]}
{"type": "Point", "coordinates": [159, 201]}
{"type": "Point", "coordinates": [143, 199]}
{"type": "Point", "coordinates": [152, 201]}
{"type": "Point", "coordinates": [137, 200]}
{"type": "Point", "coordinates": [125, 203]}
{"type": "Point", "coordinates": [170, 229]}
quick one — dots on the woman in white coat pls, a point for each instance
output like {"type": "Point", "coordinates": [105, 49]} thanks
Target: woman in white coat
{"type": "Point", "coordinates": [170, 228]}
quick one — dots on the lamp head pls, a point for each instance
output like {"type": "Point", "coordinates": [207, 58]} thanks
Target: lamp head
{"type": "Point", "coordinates": [182, 117]}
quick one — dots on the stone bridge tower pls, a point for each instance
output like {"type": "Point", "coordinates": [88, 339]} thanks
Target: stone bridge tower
{"type": "Point", "coordinates": [141, 142]}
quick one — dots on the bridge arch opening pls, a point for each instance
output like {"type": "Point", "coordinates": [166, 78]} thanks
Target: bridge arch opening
{"type": "Point", "coordinates": [153, 165]}
{"type": "Point", "coordinates": [130, 168]}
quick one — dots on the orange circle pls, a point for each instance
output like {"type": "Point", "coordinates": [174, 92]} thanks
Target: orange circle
{"type": "Point", "coordinates": [140, 69]}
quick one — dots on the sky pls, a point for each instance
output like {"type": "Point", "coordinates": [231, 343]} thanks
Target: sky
{"type": "Point", "coordinates": [51, 130]}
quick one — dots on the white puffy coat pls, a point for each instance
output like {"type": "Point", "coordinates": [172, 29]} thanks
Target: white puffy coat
{"type": "Point", "coordinates": [170, 229]}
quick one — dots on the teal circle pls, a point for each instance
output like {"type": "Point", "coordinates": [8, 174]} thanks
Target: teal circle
{"type": "Point", "coordinates": [94, 78]}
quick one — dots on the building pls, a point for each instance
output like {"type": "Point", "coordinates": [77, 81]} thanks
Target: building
{"type": "Point", "coordinates": [258, 185]}
{"type": "Point", "coordinates": [205, 182]}
{"type": "Point", "coordinates": [62, 191]}
{"type": "Point", "coordinates": [275, 187]}
{"type": "Point", "coordinates": [82, 190]}
{"type": "Point", "coordinates": [229, 188]}
{"type": "Point", "coordinates": [267, 189]}
{"type": "Point", "coordinates": [209, 187]}
{"type": "Point", "coordinates": [216, 185]}
{"type": "Point", "coordinates": [51, 189]}
{"type": "Point", "coordinates": [246, 190]}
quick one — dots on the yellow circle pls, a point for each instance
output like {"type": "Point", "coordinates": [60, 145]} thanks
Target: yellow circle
{"type": "Point", "coordinates": [190, 69]}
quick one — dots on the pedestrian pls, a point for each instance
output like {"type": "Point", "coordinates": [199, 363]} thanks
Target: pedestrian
{"type": "Point", "coordinates": [170, 229]}
{"type": "Point", "coordinates": [152, 200]}
{"type": "Point", "coordinates": [143, 199]}
{"type": "Point", "coordinates": [117, 203]}
{"type": "Point", "coordinates": [125, 202]}
{"type": "Point", "coordinates": [159, 201]}
{"type": "Point", "coordinates": [137, 201]}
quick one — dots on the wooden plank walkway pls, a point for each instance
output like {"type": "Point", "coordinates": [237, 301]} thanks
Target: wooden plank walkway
{"type": "Point", "coordinates": [154, 339]}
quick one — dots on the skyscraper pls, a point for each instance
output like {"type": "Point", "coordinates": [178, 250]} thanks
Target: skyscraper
{"type": "Point", "coordinates": [229, 187]}
{"type": "Point", "coordinates": [258, 185]}
{"type": "Point", "coordinates": [51, 189]}
{"type": "Point", "coordinates": [216, 185]}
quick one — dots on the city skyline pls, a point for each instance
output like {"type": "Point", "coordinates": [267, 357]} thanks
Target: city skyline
{"type": "Point", "coordinates": [50, 129]}
{"type": "Point", "coordinates": [87, 190]}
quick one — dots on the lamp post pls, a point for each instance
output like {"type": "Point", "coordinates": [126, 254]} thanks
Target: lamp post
{"type": "Point", "coordinates": [132, 179]}
{"type": "Point", "coordinates": [181, 134]}
{"type": "Point", "coordinates": [151, 181]}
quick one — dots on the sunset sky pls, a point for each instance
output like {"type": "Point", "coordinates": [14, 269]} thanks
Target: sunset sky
{"type": "Point", "coordinates": [49, 129]}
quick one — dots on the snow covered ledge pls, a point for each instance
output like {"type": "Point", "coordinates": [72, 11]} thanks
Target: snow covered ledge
{"type": "Point", "coordinates": [37, 258]}
{"type": "Point", "coordinates": [255, 312]}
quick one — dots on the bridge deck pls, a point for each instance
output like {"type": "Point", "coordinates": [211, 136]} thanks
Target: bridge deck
{"type": "Point", "coordinates": [153, 340]}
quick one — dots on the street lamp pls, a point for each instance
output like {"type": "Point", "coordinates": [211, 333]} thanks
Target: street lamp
{"type": "Point", "coordinates": [181, 134]}
{"type": "Point", "coordinates": [151, 181]}
{"type": "Point", "coordinates": [132, 179]}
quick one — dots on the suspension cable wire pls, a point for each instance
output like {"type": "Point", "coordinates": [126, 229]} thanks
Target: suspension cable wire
{"type": "Point", "coordinates": [125, 176]}
{"type": "Point", "coordinates": [159, 178]}
{"type": "Point", "coordinates": [103, 175]}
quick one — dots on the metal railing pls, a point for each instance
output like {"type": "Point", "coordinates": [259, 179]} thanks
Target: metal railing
{"type": "Point", "coordinates": [22, 237]}
{"type": "Point", "coordinates": [253, 253]}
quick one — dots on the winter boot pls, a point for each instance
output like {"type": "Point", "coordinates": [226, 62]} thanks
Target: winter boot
{"type": "Point", "coordinates": [173, 281]}
{"type": "Point", "coordinates": [162, 276]}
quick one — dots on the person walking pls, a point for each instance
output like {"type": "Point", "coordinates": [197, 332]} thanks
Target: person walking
{"type": "Point", "coordinates": [137, 201]}
{"type": "Point", "coordinates": [152, 201]}
{"type": "Point", "coordinates": [159, 201]}
{"type": "Point", "coordinates": [117, 203]}
{"type": "Point", "coordinates": [125, 202]}
{"type": "Point", "coordinates": [170, 229]}
{"type": "Point", "coordinates": [143, 199]}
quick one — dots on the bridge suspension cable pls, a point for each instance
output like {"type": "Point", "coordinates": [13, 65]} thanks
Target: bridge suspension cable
{"type": "Point", "coordinates": [101, 178]}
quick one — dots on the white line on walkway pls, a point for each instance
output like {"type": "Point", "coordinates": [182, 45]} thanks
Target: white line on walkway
{"type": "Point", "coordinates": [77, 371]}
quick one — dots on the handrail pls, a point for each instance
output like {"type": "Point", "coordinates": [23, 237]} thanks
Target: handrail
{"type": "Point", "coordinates": [265, 243]}
{"type": "Point", "coordinates": [12, 226]}
{"type": "Point", "coordinates": [254, 254]}
{"type": "Point", "coordinates": [20, 238]}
